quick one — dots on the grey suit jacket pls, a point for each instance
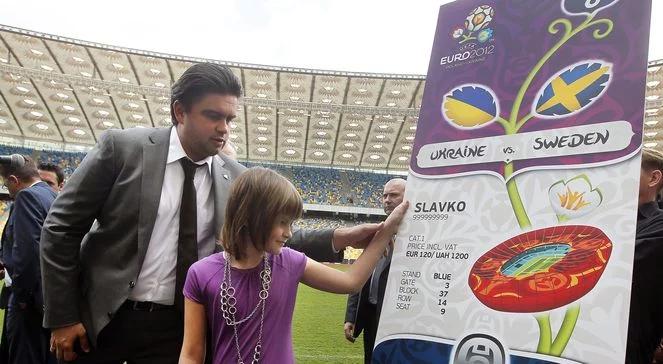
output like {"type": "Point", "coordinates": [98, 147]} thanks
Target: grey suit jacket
{"type": "Point", "coordinates": [95, 237]}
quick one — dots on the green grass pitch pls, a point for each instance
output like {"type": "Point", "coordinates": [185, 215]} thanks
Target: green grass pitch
{"type": "Point", "coordinates": [317, 328]}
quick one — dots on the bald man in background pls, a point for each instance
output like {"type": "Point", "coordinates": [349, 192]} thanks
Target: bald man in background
{"type": "Point", "coordinates": [363, 309]}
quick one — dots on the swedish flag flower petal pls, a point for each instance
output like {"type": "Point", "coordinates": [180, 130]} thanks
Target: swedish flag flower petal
{"type": "Point", "coordinates": [470, 106]}
{"type": "Point", "coordinates": [573, 89]}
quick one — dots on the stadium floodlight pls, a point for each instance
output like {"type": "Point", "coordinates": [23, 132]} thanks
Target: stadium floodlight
{"type": "Point", "coordinates": [22, 90]}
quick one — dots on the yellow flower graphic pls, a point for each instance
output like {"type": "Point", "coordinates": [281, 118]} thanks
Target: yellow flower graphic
{"type": "Point", "coordinates": [574, 198]}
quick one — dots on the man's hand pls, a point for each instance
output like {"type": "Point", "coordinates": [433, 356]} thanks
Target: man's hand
{"type": "Point", "coordinates": [63, 340]}
{"type": "Point", "coordinates": [394, 219]}
{"type": "Point", "coordinates": [357, 237]}
{"type": "Point", "coordinates": [348, 328]}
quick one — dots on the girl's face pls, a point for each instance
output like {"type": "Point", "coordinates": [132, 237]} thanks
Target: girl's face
{"type": "Point", "coordinates": [281, 232]}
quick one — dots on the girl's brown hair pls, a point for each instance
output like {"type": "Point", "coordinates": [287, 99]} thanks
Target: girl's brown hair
{"type": "Point", "coordinates": [257, 198]}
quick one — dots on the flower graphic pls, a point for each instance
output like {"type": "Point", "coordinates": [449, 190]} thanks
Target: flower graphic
{"type": "Point", "coordinates": [457, 32]}
{"type": "Point", "coordinates": [586, 7]}
{"type": "Point", "coordinates": [479, 18]}
{"type": "Point", "coordinates": [574, 198]}
{"type": "Point", "coordinates": [485, 35]}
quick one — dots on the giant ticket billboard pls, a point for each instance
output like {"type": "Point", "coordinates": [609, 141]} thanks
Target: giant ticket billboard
{"type": "Point", "coordinates": [518, 246]}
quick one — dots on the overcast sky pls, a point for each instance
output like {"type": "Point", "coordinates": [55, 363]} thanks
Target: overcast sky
{"type": "Point", "coordinates": [357, 35]}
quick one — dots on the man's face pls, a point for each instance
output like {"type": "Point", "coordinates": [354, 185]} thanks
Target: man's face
{"type": "Point", "coordinates": [204, 128]}
{"type": "Point", "coordinates": [12, 184]}
{"type": "Point", "coordinates": [392, 196]}
{"type": "Point", "coordinates": [51, 179]}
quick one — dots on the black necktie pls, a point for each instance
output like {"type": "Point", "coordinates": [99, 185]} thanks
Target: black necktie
{"type": "Point", "coordinates": [187, 244]}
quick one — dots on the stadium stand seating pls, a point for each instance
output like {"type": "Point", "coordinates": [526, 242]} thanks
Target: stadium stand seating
{"type": "Point", "coordinates": [325, 186]}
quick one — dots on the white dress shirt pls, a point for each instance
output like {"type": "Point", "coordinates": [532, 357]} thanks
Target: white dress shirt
{"type": "Point", "coordinates": [156, 281]}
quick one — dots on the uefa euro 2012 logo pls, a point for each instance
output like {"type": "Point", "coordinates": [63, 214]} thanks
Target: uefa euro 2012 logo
{"type": "Point", "coordinates": [476, 27]}
{"type": "Point", "coordinates": [474, 38]}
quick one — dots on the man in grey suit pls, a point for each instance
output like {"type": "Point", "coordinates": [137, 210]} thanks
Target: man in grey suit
{"type": "Point", "coordinates": [113, 288]}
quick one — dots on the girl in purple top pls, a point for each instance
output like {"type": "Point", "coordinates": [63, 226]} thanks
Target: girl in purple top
{"type": "Point", "coordinates": [239, 303]}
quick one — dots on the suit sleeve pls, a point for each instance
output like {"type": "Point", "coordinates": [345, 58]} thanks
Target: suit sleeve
{"type": "Point", "coordinates": [351, 309]}
{"type": "Point", "coordinates": [68, 221]}
{"type": "Point", "coordinates": [28, 219]}
{"type": "Point", "coordinates": [316, 244]}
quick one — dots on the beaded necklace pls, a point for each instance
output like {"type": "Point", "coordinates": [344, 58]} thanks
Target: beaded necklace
{"type": "Point", "coordinates": [228, 308]}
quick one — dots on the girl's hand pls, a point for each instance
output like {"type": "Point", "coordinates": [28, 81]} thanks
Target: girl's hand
{"type": "Point", "coordinates": [394, 219]}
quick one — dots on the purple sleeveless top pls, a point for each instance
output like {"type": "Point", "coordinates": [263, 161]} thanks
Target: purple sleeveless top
{"type": "Point", "coordinates": [203, 286]}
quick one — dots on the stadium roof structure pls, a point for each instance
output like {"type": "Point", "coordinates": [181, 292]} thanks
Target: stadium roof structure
{"type": "Point", "coordinates": [64, 93]}
{"type": "Point", "coordinates": [653, 131]}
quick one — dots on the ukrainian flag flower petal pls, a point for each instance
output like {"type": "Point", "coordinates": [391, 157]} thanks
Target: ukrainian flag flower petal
{"type": "Point", "coordinates": [580, 7]}
{"type": "Point", "coordinates": [573, 89]}
{"type": "Point", "coordinates": [470, 106]}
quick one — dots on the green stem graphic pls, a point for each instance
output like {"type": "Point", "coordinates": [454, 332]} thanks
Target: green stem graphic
{"type": "Point", "coordinates": [466, 39]}
{"type": "Point", "coordinates": [505, 123]}
{"type": "Point", "coordinates": [546, 344]}
{"type": "Point", "coordinates": [512, 126]}
{"type": "Point", "coordinates": [545, 336]}
{"type": "Point", "coordinates": [569, 32]}
{"type": "Point", "coordinates": [514, 197]}
{"type": "Point", "coordinates": [566, 330]}
{"type": "Point", "coordinates": [563, 218]}
{"type": "Point", "coordinates": [523, 121]}
{"type": "Point", "coordinates": [552, 28]}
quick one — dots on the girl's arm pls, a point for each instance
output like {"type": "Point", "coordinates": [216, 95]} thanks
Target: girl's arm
{"type": "Point", "coordinates": [328, 279]}
{"type": "Point", "coordinates": [193, 347]}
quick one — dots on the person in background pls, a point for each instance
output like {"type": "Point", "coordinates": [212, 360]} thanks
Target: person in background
{"type": "Point", "coordinates": [27, 342]}
{"type": "Point", "coordinates": [363, 308]}
{"type": "Point", "coordinates": [645, 326]}
{"type": "Point", "coordinates": [52, 174]}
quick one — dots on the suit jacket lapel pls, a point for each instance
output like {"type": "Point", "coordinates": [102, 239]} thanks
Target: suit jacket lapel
{"type": "Point", "coordinates": [155, 153]}
{"type": "Point", "coordinates": [221, 181]}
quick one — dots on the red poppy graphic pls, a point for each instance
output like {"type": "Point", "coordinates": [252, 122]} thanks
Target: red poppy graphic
{"type": "Point", "coordinates": [542, 269]}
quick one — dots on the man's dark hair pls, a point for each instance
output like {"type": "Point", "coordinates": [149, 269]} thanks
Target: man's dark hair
{"type": "Point", "coordinates": [652, 160]}
{"type": "Point", "coordinates": [25, 171]}
{"type": "Point", "coordinates": [202, 79]}
{"type": "Point", "coordinates": [50, 167]}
